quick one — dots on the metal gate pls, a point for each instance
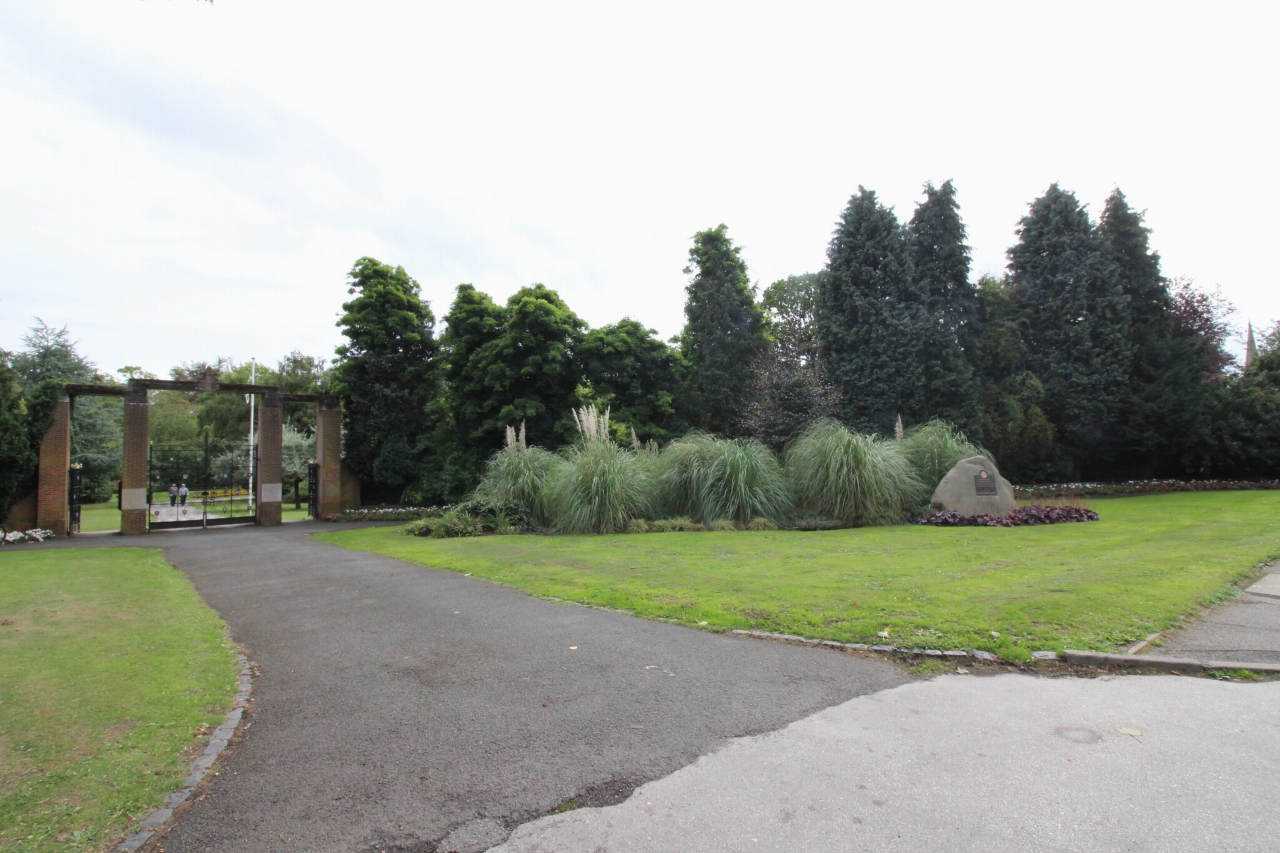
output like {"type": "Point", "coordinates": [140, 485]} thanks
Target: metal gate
{"type": "Point", "coordinates": [75, 483]}
{"type": "Point", "coordinates": [201, 485]}
{"type": "Point", "coordinates": [313, 490]}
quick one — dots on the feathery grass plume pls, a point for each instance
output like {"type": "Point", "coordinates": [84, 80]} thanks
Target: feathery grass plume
{"type": "Point", "coordinates": [520, 476]}
{"type": "Point", "coordinates": [601, 486]}
{"type": "Point", "coordinates": [635, 440]}
{"type": "Point", "coordinates": [933, 449]}
{"type": "Point", "coordinates": [898, 431]}
{"type": "Point", "coordinates": [711, 478]}
{"type": "Point", "coordinates": [592, 426]}
{"type": "Point", "coordinates": [858, 479]}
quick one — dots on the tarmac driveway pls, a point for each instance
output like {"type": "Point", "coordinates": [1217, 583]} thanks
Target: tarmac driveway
{"type": "Point", "coordinates": [397, 705]}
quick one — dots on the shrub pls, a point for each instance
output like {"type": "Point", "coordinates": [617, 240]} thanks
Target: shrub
{"type": "Point", "coordinates": [697, 528]}
{"type": "Point", "coordinates": [662, 525]}
{"type": "Point", "coordinates": [710, 478]}
{"type": "Point", "coordinates": [761, 523]}
{"type": "Point", "coordinates": [421, 527]}
{"type": "Point", "coordinates": [683, 524]}
{"type": "Point", "coordinates": [637, 525]}
{"type": "Point", "coordinates": [519, 476]}
{"type": "Point", "coordinates": [456, 523]}
{"type": "Point", "coordinates": [601, 488]}
{"type": "Point", "coordinates": [858, 479]}
{"type": "Point", "coordinates": [934, 448]}
{"type": "Point", "coordinates": [724, 525]}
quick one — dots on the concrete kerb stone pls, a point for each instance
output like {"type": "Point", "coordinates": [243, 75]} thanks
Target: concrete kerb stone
{"type": "Point", "coordinates": [1186, 665]}
{"type": "Point", "coordinates": [199, 768]}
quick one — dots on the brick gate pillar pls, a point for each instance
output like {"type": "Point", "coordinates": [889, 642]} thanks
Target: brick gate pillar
{"type": "Point", "coordinates": [55, 459]}
{"type": "Point", "coordinates": [329, 455]}
{"type": "Point", "coordinates": [270, 458]}
{"type": "Point", "coordinates": [133, 474]}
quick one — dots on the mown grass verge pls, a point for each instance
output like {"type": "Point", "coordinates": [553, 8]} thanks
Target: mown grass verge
{"type": "Point", "coordinates": [1097, 585]}
{"type": "Point", "coordinates": [109, 662]}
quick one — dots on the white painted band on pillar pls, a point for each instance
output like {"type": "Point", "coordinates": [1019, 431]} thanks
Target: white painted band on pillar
{"type": "Point", "coordinates": [271, 493]}
{"type": "Point", "coordinates": [133, 498]}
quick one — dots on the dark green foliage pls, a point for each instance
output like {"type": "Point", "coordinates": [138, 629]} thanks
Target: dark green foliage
{"type": "Point", "coordinates": [789, 387]}
{"type": "Point", "coordinates": [941, 261]}
{"type": "Point", "coordinates": [1015, 426]}
{"type": "Point", "coordinates": [536, 364]}
{"type": "Point", "coordinates": [1166, 402]}
{"type": "Point", "coordinates": [872, 318]}
{"type": "Point", "coordinates": [632, 372]}
{"type": "Point", "coordinates": [386, 374]}
{"type": "Point", "coordinates": [505, 365]}
{"type": "Point", "coordinates": [96, 422]}
{"type": "Point", "coordinates": [724, 329]}
{"type": "Point", "coordinates": [468, 427]}
{"type": "Point", "coordinates": [1077, 324]}
{"type": "Point", "coordinates": [302, 374]}
{"type": "Point", "coordinates": [17, 457]}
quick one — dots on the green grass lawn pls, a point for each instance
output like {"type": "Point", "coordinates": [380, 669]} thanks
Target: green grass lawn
{"type": "Point", "coordinates": [1097, 585]}
{"type": "Point", "coordinates": [109, 662]}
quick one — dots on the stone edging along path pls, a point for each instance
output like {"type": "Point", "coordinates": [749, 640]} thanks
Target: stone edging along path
{"type": "Point", "coordinates": [1070, 656]}
{"type": "Point", "coordinates": [200, 767]}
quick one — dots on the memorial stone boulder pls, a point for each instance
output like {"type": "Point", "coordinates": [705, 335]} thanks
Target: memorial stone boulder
{"type": "Point", "coordinates": [975, 487]}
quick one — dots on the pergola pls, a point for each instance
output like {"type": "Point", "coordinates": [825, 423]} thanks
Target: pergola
{"type": "Point", "coordinates": [55, 450]}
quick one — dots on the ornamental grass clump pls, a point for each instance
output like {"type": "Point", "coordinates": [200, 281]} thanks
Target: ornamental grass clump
{"type": "Point", "coordinates": [933, 449]}
{"type": "Point", "coordinates": [710, 479]}
{"type": "Point", "coordinates": [857, 479]}
{"type": "Point", "coordinates": [519, 476]}
{"type": "Point", "coordinates": [602, 486]}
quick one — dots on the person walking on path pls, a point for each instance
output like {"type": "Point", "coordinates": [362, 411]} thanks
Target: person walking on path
{"type": "Point", "coordinates": [173, 494]}
{"type": "Point", "coordinates": [182, 495]}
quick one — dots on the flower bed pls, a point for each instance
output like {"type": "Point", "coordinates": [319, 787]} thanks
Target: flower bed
{"type": "Point", "coordinates": [1139, 487]}
{"type": "Point", "coordinates": [21, 537]}
{"type": "Point", "coordinates": [386, 513]}
{"type": "Point", "coordinates": [1026, 515]}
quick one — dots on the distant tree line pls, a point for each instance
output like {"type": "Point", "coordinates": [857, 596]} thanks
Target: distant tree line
{"type": "Point", "coordinates": [1083, 361]}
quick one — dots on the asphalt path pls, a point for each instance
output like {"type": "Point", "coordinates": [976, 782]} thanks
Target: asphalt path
{"type": "Point", "coordinates": [967, 764]}
{"type": "Point", "coordinates": [406, 709]}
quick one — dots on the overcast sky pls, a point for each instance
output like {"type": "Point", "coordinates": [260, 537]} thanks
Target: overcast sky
{"type": "Point", "coordinates": [184, 180]}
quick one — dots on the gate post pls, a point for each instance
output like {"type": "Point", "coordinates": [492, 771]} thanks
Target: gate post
{"type": "Point", "coordinates": [270, 453]}
{"type": "Point", "coordinates": [133, 474]}
{"type": "Point", "coordinates": [329, 455]}
{"type": "Point", "coordinates": [55, 460]}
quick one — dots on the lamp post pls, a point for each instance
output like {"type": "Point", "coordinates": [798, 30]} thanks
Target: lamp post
{"type": "Point", "coordinates": [253, 380]}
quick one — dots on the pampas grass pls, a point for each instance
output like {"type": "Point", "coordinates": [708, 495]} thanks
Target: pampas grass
{"type": "Point", "coordinates": [709, 478]}
{"type": "Point", "coordinates": [519, 476]}
{"type": "Point", "coordinates": [858, 479]}
{"type": "Point", "coordinates": [600, 490]}
{"type": "Point", "coordinates": [933, 449]}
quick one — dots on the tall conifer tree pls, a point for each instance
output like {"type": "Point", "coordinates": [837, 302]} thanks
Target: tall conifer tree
{"type": "Point", "coordinates": [871, 317]}
{"type": "Point", "coordinates": [724, 329]}
{"type": "Point", "coordinates": [386, 374]}
{"type": "Point", "coordinates": [941, 261]}
{"type": "Point", "coordinates": [1077, 328]}
{"type": "Point", "coordinates": [1165, 404]}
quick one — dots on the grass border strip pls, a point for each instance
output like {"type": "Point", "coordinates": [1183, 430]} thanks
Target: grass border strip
{"type": "Point", "coordinates": [199, 768]}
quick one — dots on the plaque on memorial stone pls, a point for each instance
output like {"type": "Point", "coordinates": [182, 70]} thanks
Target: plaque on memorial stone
{"type": "Point", "coordinates": [984, 484]}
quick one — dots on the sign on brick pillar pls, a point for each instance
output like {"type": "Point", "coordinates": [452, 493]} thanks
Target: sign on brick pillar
{"type": "Point", "coordinates": [55, 459]}
{"type": "Point", "coordinates": [270, 452]}
{"type": "Point", "coordinates": [133, 473]}
{"type": "Point", "coordinates": [329, 454]}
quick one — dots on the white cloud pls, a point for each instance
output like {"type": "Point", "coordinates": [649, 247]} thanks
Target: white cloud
{"type": "Point", "coordinates": [222, 166]}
